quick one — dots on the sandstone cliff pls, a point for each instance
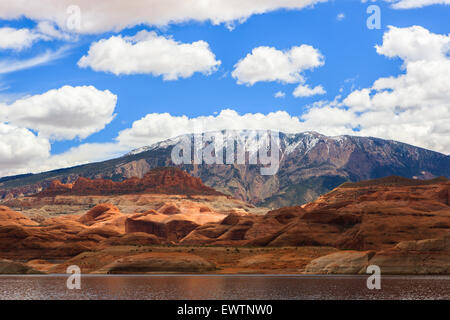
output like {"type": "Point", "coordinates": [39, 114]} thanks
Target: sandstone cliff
{"type": "Point", "coordinates": [156, 181]}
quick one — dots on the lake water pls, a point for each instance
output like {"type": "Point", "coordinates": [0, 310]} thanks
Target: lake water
{"type": "Point", "coordinates": [203, 287]}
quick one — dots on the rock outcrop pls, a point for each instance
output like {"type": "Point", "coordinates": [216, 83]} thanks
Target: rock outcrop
{"type": "Point", "coordinates": [14, 267]}
{"type": "Point", "coordinates": [159, 262]}
{"type": "Point", "coordinates": [343, 262]}
{"type": "Point", "coordinates": [374, 215]}
{"type": "Point", "coordinates": [430, 256]}
{"type": "Point", "coordinates": [156, 181]}
{"type": "Point", "coordinates": [171, 222]}
{"type": "Point", "coordinates": [10, 217]}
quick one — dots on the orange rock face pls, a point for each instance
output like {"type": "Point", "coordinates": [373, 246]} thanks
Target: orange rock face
{"type": "Point", "coordinates": [370, 217]}
{"type": "Point", "coordinates": [171, 222]}
{"type": "Point", "coordinates": [156, 181]}
{"type": "Point", "coordinates": [373, 215]}
{"type": "Point", "coordinates": [10, 217]}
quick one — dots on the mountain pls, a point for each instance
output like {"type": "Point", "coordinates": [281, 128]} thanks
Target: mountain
{"type": "Point", "coordinates": [311, 164]}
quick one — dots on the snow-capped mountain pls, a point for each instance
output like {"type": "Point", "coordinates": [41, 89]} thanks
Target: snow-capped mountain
{"type": "Point", "coordinates": [310, 164]}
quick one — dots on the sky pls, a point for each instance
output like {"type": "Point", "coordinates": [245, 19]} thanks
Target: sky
{"type": "Point", "coordinates": [84, 81]}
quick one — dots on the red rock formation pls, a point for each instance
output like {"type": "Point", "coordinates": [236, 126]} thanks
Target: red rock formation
{"type": "Point", "coordinates": [160, 226]}
{"type": "Point", "coordinates": [169, 208]}
{"type": "Point", "coordinates": [156, 181]}
{"type": "Point", "coordinates": [371, 215]}
{"type": "Point", "coordinates": [100, 212]}
{"type": "Point", "coordinates": [10, 217]}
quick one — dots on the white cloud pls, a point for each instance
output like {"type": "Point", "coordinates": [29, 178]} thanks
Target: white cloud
{"type": "Point", "coordinates": [33, 153]}
{"type": "Point", "coordinates": [148, 53]}
{"type": "Point", "coordinates": [48, 31]}
{"type": "Point", "coordinates": [340, 16]}
{"type": "Point", "coordinates": [280, 94]}
{"type": "Point", "coordinates": [413, 107]}
{"type": "Point", "coordinates": [64, 113]}
{"type": "Point", "coordinates": [18, 39]}
{"type": "Point", "coordinates": [414, 44]}
{"type": "Point", "coordinates": [114, 15]}
{"type": "Point", "coordinates": [267, 64]}
{"type": "Point", "coordinates": [410, 4]}
{"type": "Point", "coordinates": [19, 147]}
{"type": "Point", "coordinates": [82, 154]}
{"type": "Point", "coordinates": [306, 91]}
{"type": "Point", "coordinates": [10, 65]}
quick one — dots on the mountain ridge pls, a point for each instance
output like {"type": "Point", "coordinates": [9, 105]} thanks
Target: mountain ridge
{"type": "Point", "coordinates": [167, 180]}
{"type": "Point", "coordinates": [311, 164]}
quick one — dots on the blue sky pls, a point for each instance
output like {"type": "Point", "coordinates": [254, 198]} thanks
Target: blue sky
{"type": "Point", "coordinates": [335, 29]}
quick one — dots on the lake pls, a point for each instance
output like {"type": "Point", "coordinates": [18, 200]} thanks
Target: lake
{"type": "Point", "coordinates": [203, 287]}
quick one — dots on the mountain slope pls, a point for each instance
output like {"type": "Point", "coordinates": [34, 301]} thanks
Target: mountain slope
{"type": "Point", "coordinates": [310, 165]}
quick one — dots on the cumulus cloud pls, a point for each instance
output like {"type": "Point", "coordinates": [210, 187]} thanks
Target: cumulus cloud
{"type": "Point", "coordinates": [64, 113]}
{"type": "Point", "coordinates": [413, 107]}
{"type": "Point", "coordinates": [33, 156]}
{"type": "Point", "coordinates": [148, 53]}
{"type": "Point", "coordinates": [19, 147]}
{"type": "Point", "coordinates": [114, 15]}
{"type": "Point", "coordinates": [410, 4]}
{"type": "Point", "coordinates": [82, 154]}
{"type": "Point", "coordinates": [18, 39]}
{"type": "Point", "coordinates": [414, 44]}
{"type": "Point", "coordinates": [269, 64]}
{"type": "Point", "coordinates": [306, 91]}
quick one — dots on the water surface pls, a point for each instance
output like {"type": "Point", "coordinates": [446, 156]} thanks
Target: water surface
{"type": "Point", "coordinates": [203, 287]}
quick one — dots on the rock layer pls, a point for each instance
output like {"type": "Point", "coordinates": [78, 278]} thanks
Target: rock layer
{"type": "Point", "coordinates": [158, 262]}
{"type": "Point", "coordinates": [430, 256]}
{"type": "Point", "coordinates": [159, 181]}
{"type": "Point", "coordinates": [373, 216]}
{"type": "Point", "coordinates": [401, 225]}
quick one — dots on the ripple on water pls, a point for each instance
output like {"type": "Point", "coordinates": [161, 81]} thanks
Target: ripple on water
{"type": "Point", "coordinates": [161, 287]}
